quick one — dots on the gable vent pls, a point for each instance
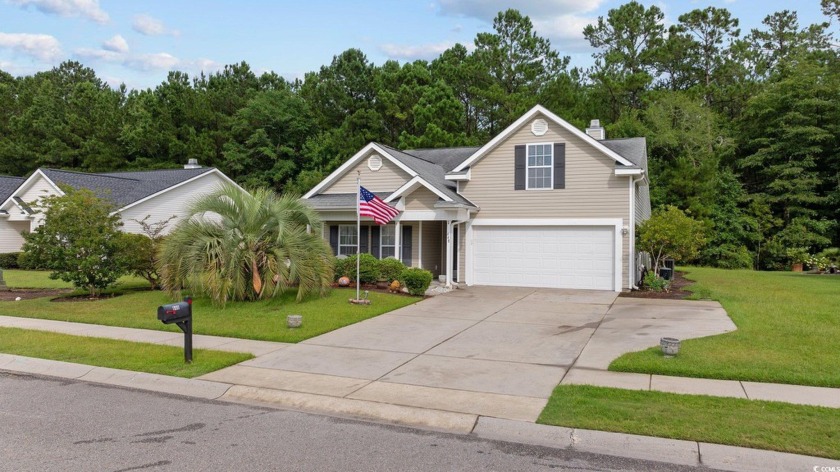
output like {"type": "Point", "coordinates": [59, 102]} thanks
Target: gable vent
{"type": "Point", "coordinates": [539, 127]}
{"type": "Point", "coordinates": [375, 162]}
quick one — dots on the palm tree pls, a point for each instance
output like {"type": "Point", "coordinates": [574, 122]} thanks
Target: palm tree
{"type": "Point", "coordinates": [233, 245]}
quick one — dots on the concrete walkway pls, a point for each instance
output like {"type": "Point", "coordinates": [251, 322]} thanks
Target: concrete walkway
{"type": "Point", "coordinates": [200, 341]}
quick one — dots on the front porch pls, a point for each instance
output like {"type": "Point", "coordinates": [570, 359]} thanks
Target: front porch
{"type": "Point", "coordinates": [417, 243]}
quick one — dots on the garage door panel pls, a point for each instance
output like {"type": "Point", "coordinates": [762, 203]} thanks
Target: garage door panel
{"type": "Point", "coordinates": [544, 256]}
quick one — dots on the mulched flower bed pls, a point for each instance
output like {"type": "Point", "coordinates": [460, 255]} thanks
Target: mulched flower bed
{"type": "Point", "coordinates": [675, 292]}
{"type": "Point", "coordinates": [27, 294]}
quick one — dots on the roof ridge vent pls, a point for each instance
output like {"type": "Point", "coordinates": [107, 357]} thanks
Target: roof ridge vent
{"type": "Point", "coordinates": [192, 163]}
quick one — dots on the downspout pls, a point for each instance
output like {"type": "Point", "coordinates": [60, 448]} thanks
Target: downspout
{"type": "Point", "coordinates": [632, 231]}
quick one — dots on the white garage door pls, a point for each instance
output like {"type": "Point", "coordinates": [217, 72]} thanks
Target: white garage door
{"type": "Point", "coordinates": [544, 256]}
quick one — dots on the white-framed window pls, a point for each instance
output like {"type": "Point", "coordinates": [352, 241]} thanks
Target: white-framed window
{"type": "Point", "coordinates": [540, 166]}
{"type": "Point", "coordinates": [347, 240]}
{"type": "Point", "coordinates": [388, 241]}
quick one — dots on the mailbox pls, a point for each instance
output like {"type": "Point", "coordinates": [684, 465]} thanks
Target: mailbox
{"type": "Point", "coordinates": [181, 314]}
{"type": "Point", "coordinates": [174, 312]}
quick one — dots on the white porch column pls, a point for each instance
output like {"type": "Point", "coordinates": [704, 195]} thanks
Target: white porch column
{"type": "Point", "coordinates": [420, 245]}
{"type": "Point", "coordinates": [397, 242]}
{"type": "Point", "coordinates": [448, 253]}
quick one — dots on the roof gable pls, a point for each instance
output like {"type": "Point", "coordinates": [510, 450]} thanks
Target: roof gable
{"type": "Point", "coordinates": [531, 114]}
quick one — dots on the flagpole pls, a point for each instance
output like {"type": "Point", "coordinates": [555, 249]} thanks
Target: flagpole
{"type": "Point", "coordinates": [358, 228]}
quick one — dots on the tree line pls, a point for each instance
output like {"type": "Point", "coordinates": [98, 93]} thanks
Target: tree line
{"type": "Point", "coordinates": [742, 126]}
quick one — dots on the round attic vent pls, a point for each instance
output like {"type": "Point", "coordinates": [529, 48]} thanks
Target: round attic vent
{"type": "Point", "coordinates": [539, 127]}
{"type": "Point", "coordinates": [375, 162]}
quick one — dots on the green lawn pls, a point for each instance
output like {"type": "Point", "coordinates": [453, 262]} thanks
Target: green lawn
{"type": "Point", "coordinates": [41, 279]}
{"type": "Point", "coordinates": [140, 357]}
{"type": "Point", "coordinates": [263, 320]}
{"type": "Point", "coordinates": [776, 426]}
{"type": "Point", "coordinates": [788, 331]}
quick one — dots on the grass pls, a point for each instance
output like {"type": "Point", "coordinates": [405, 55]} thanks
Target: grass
{"type": "Point", "coordinates": [41, 279]}
{"type": "Point", "coordinates": [140, 357]}
{"type": "Point", "coordinates": [262, 320]}
{"type": "Point", "coordinates": [788, 327]}
{"type": "Point", "coordinates": [776, 426]}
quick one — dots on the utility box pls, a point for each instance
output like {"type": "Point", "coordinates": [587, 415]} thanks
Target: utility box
{"type": "Point", "coordinates": [181, 314]}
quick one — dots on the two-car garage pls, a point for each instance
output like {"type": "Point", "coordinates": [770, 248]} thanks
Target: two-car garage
{"type": "Point", "coordinates": [555, 256]}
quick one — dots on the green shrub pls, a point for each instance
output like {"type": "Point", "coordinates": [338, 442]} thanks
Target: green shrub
{"type": "Point", "coordinates": [9, 260]}
{"type": "Point", "coordinates": [368, 268]}
{"type": "Point", "coordinates": [416, 280]}
{"type": "Point", "coordinates": [340, 268]}
{"type": "Point", "coordinates": [655, 283]}
{"type": "Point", "coordinates": [27, 261]}
{"type": "Point", "coordinates": [832, 254]}
{"type": "Point", "coordinates": [138, 254]}
{"type": "Point", "coordinates": [390, 269]}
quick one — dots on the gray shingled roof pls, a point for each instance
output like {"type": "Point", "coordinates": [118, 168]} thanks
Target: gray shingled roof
{"type": "Point", "coordinates": [337, 201]}
{"type": "Point", "coordinates": [432, 173]}
{"type": "Point", "coordinates": [632, 149]}
{"type": "Point", "coordinates": [448, 158]}
{"type": "Point", "coordinates": [124, 188]}
{"type": "Point", "coordinates": [8, 185]}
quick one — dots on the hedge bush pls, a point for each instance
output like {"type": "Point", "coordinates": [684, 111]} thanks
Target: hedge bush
{"type": "Point", "coordinates": [368, 268]}
{"type": "Point", "coordinates": [9, 260]}
{"type": "Point", "coordinates": [390, 269]}
{"type": "Point", "coordinates": [416, 280]}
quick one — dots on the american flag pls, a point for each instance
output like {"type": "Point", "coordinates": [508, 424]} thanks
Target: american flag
{"type": "Point", "coordinates": [373, 206]}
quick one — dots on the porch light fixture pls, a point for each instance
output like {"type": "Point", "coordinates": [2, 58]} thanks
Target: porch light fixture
{"type": "Point", "coordinates": [625, 230]}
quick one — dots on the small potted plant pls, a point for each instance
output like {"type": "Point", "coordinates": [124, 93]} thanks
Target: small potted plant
{"type": "Point", "coordinates": [797, 256]}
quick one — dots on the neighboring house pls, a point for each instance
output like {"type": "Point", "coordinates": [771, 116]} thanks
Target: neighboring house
{"type": "Point", "coordinates": [156, 194]}
{"type": "Point", "coordinates": [542, 204]}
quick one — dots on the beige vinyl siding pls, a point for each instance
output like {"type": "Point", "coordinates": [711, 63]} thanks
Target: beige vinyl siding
{"type": "Point", "coordinates": [432, 246]}
{"type": "Point", "coordinates": [387, 179]}
{"type": "Point", "coordinates": [10, 235]}
{"type": "Point", "coordinates": [642, 210]}
{"type": "Point", "coordinates": [592, 188]}
{"type": "Point", "coordinates": [173, 202]}
{"type": "Point", "coordinates": [421, 199]}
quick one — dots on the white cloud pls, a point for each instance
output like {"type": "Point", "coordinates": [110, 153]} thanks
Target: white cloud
{"type": "Point", "coordinates": [561, 21]}
{"type": "Point", "coordinates": [488, 9]}
{"type": "Point", "coordinates": [68, 8]}
{"type": "Point", "coordinates": [145, 62]}
{"type": "Point", "coordinates": [423, 51]}
{"type": "Point", "coordinates": [150, 26]}
{"type": "Point", "coordinates": [565, 32]}
{"type": "Point", "coordinates": [40, 46]}
{"type": "Point", "coordinates": [100, 54]}
{"type": "Point", "coordinates": [116, 44]}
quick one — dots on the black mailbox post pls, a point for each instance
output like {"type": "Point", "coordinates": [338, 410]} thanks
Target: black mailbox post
{"type": "Point", "coordinates": [181, 314]}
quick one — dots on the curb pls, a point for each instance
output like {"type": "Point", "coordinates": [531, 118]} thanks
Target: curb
{"type": "Point", "coordinates": [674, 451]}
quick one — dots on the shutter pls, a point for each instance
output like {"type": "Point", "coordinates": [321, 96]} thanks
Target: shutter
{"type": "Point", "coordinates": [519, 167]}
{"type": "Point", "coordinates": [334, 239]}
{"type": "Point", "coordinates": [559, 165]}
{"type": "Point", "coordinates": [363, 236]}
{"type": "Point", "coordinates": [374, 241]}
{"type": "Point", "coordinates": [406, 245]}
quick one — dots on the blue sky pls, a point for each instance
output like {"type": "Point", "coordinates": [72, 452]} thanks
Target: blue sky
{"type": "Point", "coordinates": [138, 42]}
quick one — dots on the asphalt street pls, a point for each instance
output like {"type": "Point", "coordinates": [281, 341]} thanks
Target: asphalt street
{"type": "Point", "coordinates": [50, 424]}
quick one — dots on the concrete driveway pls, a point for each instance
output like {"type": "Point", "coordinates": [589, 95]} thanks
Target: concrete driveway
{"type": "Point", "coordinates": [494, 351]}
